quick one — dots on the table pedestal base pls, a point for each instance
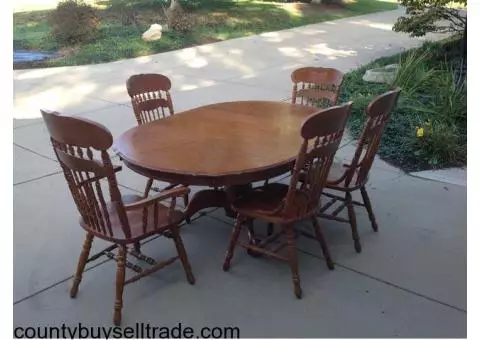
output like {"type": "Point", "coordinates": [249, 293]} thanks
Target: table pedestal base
{"type": "Point", "coordinates": [208, 199]}
{"type": "Point", "coordinates": [221, 198]}
{"type": "Point", "coordinates": [216, 198]}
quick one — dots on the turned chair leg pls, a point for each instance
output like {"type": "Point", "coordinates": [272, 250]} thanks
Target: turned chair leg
{"type": "Point", "coordinates": [323, 243]}
{"type": "Point", "coordinates": [82, 261]}
{"type": "Point", "coordinates": [368, 206]}
{"type": "Point", "coordinates": [293, 260]}
{"type": "Point", "coordinates": [185, 203]}
{"type": "Point", "coordinates": [353, 222]}
{"type": "Point", "coordinates": [233, 242]}
{"type": "Point", "coordinates": [117, 311]}
{"type": "Point", "coordinates": [148, 187]}
{"type": "Point", "coordinates": [183, 255]}
{"type": "Point", "coordinates": [270, 227]}
{"type": "Point", "coordinates": [252, 238]}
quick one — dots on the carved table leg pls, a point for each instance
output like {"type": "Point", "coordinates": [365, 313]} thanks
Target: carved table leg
{"type": "Point", "coordinates": [206, 199]}
{"type": "Point", "coordinates": [222, 198]}
{"type": "Point", "coordinates": [218, 198]}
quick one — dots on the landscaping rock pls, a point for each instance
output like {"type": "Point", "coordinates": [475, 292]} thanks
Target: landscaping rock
{"type": "Point", "coordinates": [384, 75]}
{"type": "Point", "coordinates": [153, 33]}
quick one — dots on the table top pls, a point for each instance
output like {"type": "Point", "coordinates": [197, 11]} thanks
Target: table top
{"type": "Point", "coordinates": [220, 144]}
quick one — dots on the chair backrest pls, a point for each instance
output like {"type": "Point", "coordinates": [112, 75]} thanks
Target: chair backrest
{"type": "Point", "coordinates": [76, 142]}
{"type": "Point", "coordinates": [316, 86]}
{"type": "Point", "coordinates": [150, 96]}
{"type": "Point", "coordinates": [322, 133]}
{"type": "Point", "coordinates": [379, 111]}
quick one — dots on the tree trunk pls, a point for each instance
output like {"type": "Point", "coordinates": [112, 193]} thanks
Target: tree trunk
{"type": "Point", "coordinates": [173, 12]}
{"type": "Point", "coordinates": [174, 5]}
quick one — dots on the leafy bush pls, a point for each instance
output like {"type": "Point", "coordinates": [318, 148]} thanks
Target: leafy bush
{"type": "Point", "coordinates": [439, 143]}
{"type": "Point", "coordinates": [428, 128]}
{"type": "Point", "coordinates": [448, 103]}
{"type": "Point", "coordinates": [74, 22]}
{"type": "Point", "coordinates": [414, 75]}
{"type": "Point", "coordinates": [423, 16]}
{"type": "Point", "coordinates": [182, 23]}
{"type": "Point", "coordinates": [177, 19]}
{"type": "Point", "coordinates": [126, 11]}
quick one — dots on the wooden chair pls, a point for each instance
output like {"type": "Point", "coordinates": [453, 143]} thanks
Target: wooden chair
{"type": "Point", "coordinates": [283, 205]}
{"type": "Point", "coordinates": [347, 178]}
{"type": "Point", "coordinates": [121, 220]}
{"type": "Point", "coordinates": [151, 100]}
{"type": "Point", "coordinates": [316, 86]}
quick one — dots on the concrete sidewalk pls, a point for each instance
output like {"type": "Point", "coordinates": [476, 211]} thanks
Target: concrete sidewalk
{"type": "Point", "coordinates": [409, 281]}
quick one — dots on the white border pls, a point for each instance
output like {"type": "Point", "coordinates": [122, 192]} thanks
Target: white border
{"type": "Point", "coordinates": [6, 176]}
{"type": "Point", "coordinates": [473, 143]}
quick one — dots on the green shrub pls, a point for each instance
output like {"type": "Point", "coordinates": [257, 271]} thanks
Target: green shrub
{"type": "Point", "coordinates": [414, 75]}
{"type": "Point", "coordinates": [450, 101]}
{"type": "Point", "coordinates": [439, 143]}
{"type": "Point", "coordinates": [74, 22]}
{"type": "Point", "coordinates": [177, 19]}
{"type": "Point", "coordinates": [182, 23]}
{"type": "Point", "coordinates": [126, 11]}
{"type": "Point", "coordinates": [428, 128]}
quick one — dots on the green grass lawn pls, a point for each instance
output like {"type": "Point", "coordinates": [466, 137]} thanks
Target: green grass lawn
{"type": "Point", "coordinates": [216, 20]}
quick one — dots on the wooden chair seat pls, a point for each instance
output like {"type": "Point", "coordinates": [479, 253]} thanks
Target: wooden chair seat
{"type": "Point", "coordinates": [264, 202]}
{"type": "Point", "coordinates": [135, 219]}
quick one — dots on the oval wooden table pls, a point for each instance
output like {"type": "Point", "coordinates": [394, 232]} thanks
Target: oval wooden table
{"type": "Point", "coordinates": [225, 146]}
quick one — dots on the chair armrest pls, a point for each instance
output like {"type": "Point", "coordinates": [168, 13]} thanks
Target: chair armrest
{"type": "Point", "coordinates": [143, 203]}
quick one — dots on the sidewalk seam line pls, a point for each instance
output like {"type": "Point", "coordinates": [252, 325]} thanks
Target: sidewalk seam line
{"type": "Point", "coordinates": [388, 283]}
{"type": "Point", "coordinates": [68, 115]}
{"type": "Point", "coordinates": [37, 178]}
{"type": "Point", "coordinates": [36, 153]}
